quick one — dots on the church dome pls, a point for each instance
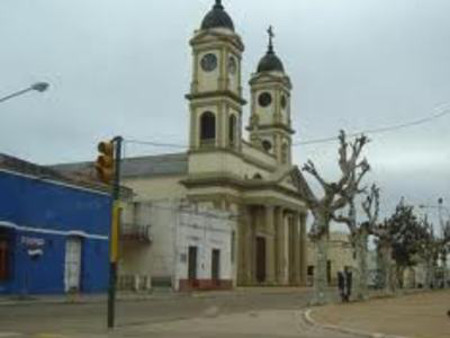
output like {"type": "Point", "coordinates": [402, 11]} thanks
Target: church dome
{"type": "Point", "coordinates": [270, 62]}
{"type": "Point", "coordinates": [217, 18]}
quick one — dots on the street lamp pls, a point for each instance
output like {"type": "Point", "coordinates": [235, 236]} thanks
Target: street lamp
{"type": "Point", "coordinates": [39, 87]}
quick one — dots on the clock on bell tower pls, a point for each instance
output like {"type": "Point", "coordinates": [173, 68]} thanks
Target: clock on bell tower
{"type": "Point", "coordinates": [216, 91]}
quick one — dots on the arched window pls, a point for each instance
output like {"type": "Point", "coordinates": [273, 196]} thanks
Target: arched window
{"type": "Point", "coordinates": [207, 126]}
{"type": "Point", "coordinates": [267, 145]}
{"type": "Point", "coordinates": [232, 121]}
{"type": "Point", "coordinates": [284, 153]}
{"type": "Point", "coordinates": [257, 176]}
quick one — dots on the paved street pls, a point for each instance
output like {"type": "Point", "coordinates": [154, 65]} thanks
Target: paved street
{"type": "Point", "coordinates": [419, 315]}
{"type": "Point", "coordinates": [237, 314]}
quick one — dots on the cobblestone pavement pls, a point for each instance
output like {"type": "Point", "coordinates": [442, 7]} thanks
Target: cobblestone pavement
{"type": "Point", "coordinates": [421, 315]}
{"type": "Point", "coordinates": [240, 314]}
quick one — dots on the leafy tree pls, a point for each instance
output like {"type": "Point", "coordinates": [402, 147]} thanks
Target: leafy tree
{"type": "Point", "coordinates": [445, 249]}
{"type": "Point", "coordinates": [429, 250]}
{"type": "Point", "coordinates": [404, 234]}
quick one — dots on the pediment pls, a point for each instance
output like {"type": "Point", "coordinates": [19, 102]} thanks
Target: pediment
{"type": "Point", "coordinates": [294, 179]}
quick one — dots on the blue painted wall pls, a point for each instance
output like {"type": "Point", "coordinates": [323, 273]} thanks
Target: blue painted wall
{"type": "Point", "coordinates": [40, 204]}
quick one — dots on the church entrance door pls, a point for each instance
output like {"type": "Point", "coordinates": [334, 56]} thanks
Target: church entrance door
{"type": "Point", "coordinates": [260, 259]}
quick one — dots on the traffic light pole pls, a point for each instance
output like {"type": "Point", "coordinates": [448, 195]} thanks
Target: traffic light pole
{"type": "Point", "coordinates": [114, 236]}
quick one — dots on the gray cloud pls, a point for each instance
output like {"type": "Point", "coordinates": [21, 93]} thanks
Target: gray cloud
{"type": "Point", "coordinates": [123, 67]}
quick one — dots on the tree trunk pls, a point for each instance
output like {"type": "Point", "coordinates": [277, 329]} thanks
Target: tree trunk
{"type": "Point", "coordinates": [429, 273]}
{"type": "Point", "coordinates": [385, 268]}
{"type": "Point", "coordinates": [444, 266]}
{"type": "Point", "coordinates": [400, 274]}
{"type": "Point", "coordinates": [362, 273]}
{"type": "Point", "coordinates": [320, 275]}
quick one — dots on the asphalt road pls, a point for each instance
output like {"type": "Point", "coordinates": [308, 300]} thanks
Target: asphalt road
{"type": "Point", "coordinates": [151, 318]}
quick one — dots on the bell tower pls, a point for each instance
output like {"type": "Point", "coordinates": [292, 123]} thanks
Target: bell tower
{"type": "Point", "coordinates": [270, 119]}
{"type": "Point", "coordinates": [216, 91]}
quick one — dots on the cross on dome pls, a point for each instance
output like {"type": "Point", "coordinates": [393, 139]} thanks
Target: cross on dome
{"type": "Point", "coordinates": [271, 36]}
{"type": "Point", "coordinates": [218, 4]}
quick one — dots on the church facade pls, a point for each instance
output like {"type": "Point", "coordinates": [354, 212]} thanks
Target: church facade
{"type": "Point", "coordinates": [253, 179]}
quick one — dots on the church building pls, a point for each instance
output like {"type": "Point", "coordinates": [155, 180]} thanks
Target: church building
{"type": "Point", "coordinates": [253, 179]}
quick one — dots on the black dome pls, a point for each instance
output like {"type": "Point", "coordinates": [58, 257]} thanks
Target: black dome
{"type": "Point", "coordinates": [217, 18]}
{"type": "Point", "coordinates": [270, 62]}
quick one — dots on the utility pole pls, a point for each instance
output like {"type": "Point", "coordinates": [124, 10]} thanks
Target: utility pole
{"type": "Point", "coordinates": [115, 226]}
{"type": "Point", "coordinates": [108, 171]}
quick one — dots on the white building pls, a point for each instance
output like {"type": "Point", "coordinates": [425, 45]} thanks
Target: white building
{"type": "Point", "coordinates": [175, 243]}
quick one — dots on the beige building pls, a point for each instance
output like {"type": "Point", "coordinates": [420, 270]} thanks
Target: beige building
{"type": "Point", "coordinates": [253, 179]}
{"type": "Point", "coordinates": [166, 243]}
{"type": "Point", "coordinates": [340, 255]}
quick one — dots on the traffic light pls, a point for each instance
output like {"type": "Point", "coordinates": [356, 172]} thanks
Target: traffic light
{"type": "Point", "coordinates": [105, 162]}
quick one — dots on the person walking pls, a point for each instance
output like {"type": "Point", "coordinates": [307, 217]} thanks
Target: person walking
{"type": "Point", "coordinates": [341, 285]}
{"type": "Point", "coordinates": [348, 278]}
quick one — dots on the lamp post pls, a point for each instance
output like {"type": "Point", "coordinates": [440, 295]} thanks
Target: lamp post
{"type": "Point", "coordinates": [39, 87]}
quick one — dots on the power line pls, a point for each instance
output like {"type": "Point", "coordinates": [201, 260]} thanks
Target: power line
{"type": "Point", "coordinates": [155, 144]}
{"type": "Point", "coordinates": [442, 111]}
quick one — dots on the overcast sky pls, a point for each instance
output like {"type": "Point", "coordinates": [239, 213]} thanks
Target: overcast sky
{"type": "Point", "coordinates": [123, 67]}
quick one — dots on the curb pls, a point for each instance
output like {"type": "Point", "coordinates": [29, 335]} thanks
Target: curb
{"type": "Point", "coordinates": [354, 332]}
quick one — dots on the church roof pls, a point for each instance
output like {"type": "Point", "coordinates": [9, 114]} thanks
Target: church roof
{"type": "Point", "coordinates": [217, 18]}
{"type": "Point", "coordinates": [160, 165]}
{"type": "Point", "coordinates": [270, 62]}
{"type": "Point", "coordinates": [171, 164]}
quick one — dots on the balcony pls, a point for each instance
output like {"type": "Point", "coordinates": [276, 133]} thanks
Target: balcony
{"type": "Point", "coordinates": [136, 232]}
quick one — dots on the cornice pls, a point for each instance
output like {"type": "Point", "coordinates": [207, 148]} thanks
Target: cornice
{"type": "Point", "coordinates": [214, 94]}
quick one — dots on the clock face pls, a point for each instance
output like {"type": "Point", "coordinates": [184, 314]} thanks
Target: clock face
{"type": "Point", "coordinates": [209, 62]}
{"type": "Point", "coordinates": [265, 99]}
{"type": "Point", "coordinates": [232, 65]}
{"type": "Point", "coordinates": [283, 102]}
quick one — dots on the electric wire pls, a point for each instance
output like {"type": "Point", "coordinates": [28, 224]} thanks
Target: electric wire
{"type": "Point", "coordinates": [443, 110]}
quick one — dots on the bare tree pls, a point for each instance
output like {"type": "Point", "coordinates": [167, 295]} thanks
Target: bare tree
{"type": "Point", "coordinates": [335, 197]}
{"type": "Point", "coordinates": [359, 232]}
{"type": "Point", "coordinates": [384, 257]}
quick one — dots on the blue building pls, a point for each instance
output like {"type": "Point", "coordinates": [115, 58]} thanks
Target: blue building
{"type": "Point", "coordinates": [53, 231]}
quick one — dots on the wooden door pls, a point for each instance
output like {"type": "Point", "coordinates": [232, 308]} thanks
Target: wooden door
{"type": "Point", "coordinates": [4, 259]}
{"type": "Point", "coordinates": [215, 266]}
{"type": "Point", "coordinates": [260, 259]}
{"type": "Point", "coordinates": [192, 263]}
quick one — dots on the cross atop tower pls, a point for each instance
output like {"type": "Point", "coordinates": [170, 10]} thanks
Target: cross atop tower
{"type": "Point", "coordinates": [271, 36]}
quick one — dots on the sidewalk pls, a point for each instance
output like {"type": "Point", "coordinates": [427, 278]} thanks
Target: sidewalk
{"type": "Point", "coordinates": [6, 300]}
{"type": "Point", "coordinates": [421, 315]}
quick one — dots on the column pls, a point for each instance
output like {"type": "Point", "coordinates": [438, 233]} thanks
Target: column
{"type": "Point", "coordinates": [270, 244]}
{"type": "Point", "coordinates": [281, 247]}
{"type": "Point", "coordinates": [251, 245]}
{"type": "Point", "coordinates": [244, 254]}
{"type": "Point", "coordinates": [303, 249]}
{"type": "Point", "coordinates": [297, 247]}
